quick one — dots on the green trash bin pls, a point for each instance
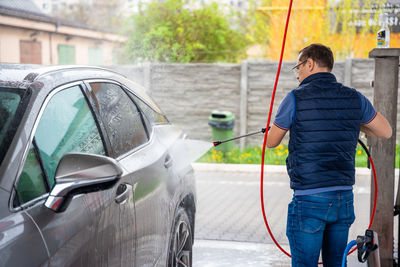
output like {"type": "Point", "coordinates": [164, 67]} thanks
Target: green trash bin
{"type": "Point", "coordinates": [222, 123]}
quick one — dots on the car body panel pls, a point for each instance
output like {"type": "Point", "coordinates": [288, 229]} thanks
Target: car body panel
{"type": "Point", "coordinates": [67, 234]}
{"type": "Point", "coordinates": [94, 230]}
{"type": "Point", "coordinates": [150, 176]}
{"type": "Point", "coordinates": [18, 232]}
{"type": "Point", "coordinates": [181, 183]}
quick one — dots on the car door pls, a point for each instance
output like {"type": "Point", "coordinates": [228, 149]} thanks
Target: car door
{"type": "Point", "coordinates": [88, 232]}
{"type": "Point", "coordinates": [147, 162]}
{"type": "Point", "coordinates": [19, 235]}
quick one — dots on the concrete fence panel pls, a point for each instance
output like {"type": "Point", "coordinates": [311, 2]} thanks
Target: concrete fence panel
{"type": "Point", "coordinates": [188, 93]}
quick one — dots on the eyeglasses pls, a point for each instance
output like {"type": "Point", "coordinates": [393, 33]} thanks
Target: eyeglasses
{"type": "Point", "coordinates": [295, 69]}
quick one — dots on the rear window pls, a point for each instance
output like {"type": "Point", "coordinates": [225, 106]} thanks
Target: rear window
{"type": "Point", "coordinates": [153, 116]}
{"type": "Point", "coordinates": [11, 111]}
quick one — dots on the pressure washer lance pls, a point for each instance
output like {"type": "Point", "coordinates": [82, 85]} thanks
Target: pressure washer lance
{"type": "Point", "coordinates": [216, 143]}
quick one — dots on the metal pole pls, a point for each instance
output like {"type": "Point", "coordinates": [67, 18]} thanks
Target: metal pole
{"type": "Point", "coordinates": [397, 213]}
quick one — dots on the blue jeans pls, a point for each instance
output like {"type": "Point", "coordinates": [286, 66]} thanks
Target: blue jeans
{"type": "Point", "coordinates": [319, 221]}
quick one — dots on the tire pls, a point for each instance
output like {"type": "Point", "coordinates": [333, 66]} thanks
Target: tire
{"type": "Point", "coordinates": [180, 248]}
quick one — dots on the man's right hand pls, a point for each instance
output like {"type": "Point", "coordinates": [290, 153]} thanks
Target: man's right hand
{"type": "Point", "coordinates": [378, 127]}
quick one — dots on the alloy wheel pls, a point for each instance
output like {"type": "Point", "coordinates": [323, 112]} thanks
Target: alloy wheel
{"type": "Point", "coordinates": [182, 248]}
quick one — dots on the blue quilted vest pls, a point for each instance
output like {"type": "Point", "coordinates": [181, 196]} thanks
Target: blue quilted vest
{"type": "Point", "coordinates": [324, 133]}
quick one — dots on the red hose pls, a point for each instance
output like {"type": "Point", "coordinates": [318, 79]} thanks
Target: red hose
{"type": "Point", "coordinates": [266, 132]}
{"type": "Point", "coordinates": [265, 141]}
{"type": "Point", "coordinates": [375, 199]}
{"type": "Point", "coordinates": [376, 193]}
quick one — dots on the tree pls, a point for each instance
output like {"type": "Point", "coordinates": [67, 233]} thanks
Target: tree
{"type": "Point", "coordinates": [104, 15]}
{"type": "Point", "coordinates": [258, 25]}
{"type": "Point", "coordinates": [171, 32]}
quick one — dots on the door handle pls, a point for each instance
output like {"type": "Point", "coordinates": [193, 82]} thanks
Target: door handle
{"type": "Point", "coordinates": [123, 192]}
{"type": "Point", "coordinates": [168, 161]}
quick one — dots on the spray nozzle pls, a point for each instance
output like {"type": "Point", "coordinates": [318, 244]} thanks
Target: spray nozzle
{"type": "Point", "coordinates": [216, 143]}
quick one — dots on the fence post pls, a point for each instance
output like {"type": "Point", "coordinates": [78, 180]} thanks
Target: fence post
{"type": "Point", "coordinates": [147, 77]}
{"type": "Point", "coordinates": [348, 72]}
{"type": "Point", "coordinates": [383, 150]}
{"type": "Point", "coordinates": [243, 102]}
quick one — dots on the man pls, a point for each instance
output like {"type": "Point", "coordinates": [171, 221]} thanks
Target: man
{"type": "Point", "coordinates": [324, 118]}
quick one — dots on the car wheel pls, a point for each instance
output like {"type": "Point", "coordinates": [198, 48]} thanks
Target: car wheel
{"type": "Point", "coordinates": [180, 250]}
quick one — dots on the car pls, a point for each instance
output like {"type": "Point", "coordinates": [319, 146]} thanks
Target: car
{"type": "Point", "coordinates": [92, 172]}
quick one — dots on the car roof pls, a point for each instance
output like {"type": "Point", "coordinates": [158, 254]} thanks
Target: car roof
{"type": "Point", "coordinates": [21, 76]}
{"type": "Point", "coordinates": [31, 72]}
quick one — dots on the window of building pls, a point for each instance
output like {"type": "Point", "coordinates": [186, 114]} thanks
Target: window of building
{"type": "Point", "coordinates": [95, 56]}
{"type": "Point", "coordinates": [30, 52]}
{"type": "Point", "coordinates": [66, 54]}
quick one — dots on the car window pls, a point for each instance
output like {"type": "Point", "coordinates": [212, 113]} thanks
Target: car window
{"type": "Point", "coordinates": [9, 102]}
{"type": "Point", "coordinates": [12, 106]}
{"type": "Point", "coordinates": [31, 182]}
{"type": "Point", "coordinates": [122, 119]}
{"type": "Point", "coordinates": [153, 116]}
{"type": "Point", "coordinates": [67, 125]}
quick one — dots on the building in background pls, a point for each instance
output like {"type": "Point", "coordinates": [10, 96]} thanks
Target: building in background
{"type": "Point", "coordinates": [133, 6]}
{"type": "Point", "coordinates": [350, 33]}
{"type": "Point", "coordinates": [50, 6]}
{"type": "Point", "coordinates": [54, 6]}
{"type": "Point", "coordinates": [28, 35]}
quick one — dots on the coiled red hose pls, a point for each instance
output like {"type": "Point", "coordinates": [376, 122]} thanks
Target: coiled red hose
{"type": "Point", "coordinates": [266, 132]}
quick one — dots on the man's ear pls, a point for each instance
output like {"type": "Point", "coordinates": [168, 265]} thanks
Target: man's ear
{"type": "Point", "coordinates": [311, 64]}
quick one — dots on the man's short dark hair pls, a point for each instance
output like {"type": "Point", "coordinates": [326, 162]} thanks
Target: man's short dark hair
{"type": "Point", "coordinates": [321, 54]}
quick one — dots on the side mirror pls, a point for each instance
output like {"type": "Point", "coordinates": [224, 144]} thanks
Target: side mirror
{"type": "Point", "coordinates": [79, 173]}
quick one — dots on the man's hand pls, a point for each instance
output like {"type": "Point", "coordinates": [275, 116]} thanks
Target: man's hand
{"type": "Point", "coordinates": [378, 127]}
{"type": "Point", "coordinates": [275, 136]}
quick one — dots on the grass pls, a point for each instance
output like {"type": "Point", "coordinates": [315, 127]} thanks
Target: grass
{"type": "Point", "coordinates": [274, 156]}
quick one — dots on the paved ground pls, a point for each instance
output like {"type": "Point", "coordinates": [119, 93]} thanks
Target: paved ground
{"type": "Point", "coordinates": [230, 230]}
{"type": "Point", "coordinates": [211, 253]}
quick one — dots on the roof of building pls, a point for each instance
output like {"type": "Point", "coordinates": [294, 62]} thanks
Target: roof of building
{"type": "Point", "coordinates": [23, 9]}
{"type": "Point", "coordinates": [26, 9]}
{"type": "Point", "coordinates": [22, 5]}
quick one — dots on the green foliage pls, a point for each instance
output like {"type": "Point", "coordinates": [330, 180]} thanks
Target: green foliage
{"type": "Point", "coordinates": [250, 155]}
{"type": "Point", "coordinates": [274, 156]}
{"type": "Point", "coordinates": [258, 24]}
{"type": "Point", "coordinates": [169, 32]}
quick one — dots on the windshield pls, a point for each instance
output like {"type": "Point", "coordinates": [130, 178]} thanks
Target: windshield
{"type": "Point", "coordinates": [11, 110]}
